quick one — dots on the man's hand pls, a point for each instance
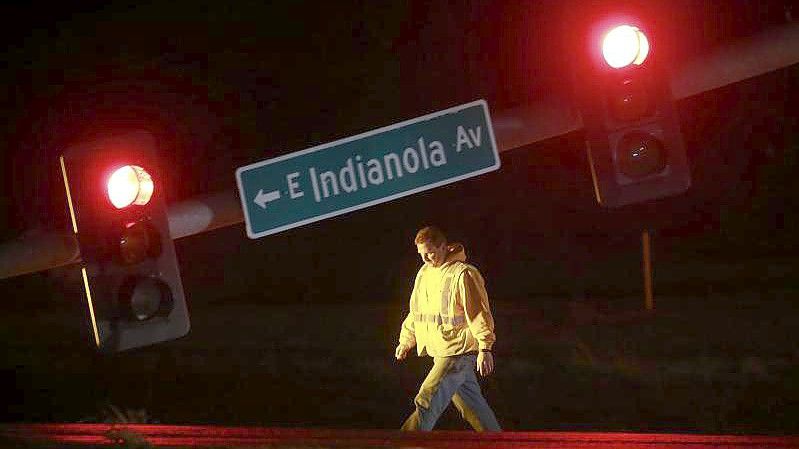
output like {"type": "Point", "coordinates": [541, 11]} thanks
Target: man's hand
{"type": "Point", "coordinates": [485, 363]}
{"type": "Point", "coordinates": [401, 351]}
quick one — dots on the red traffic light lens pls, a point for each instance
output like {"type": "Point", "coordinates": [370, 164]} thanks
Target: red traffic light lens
{"type": "Point", "coordinates": [128, 185]}
{"type": "Point", "coordinates": [625, 45]}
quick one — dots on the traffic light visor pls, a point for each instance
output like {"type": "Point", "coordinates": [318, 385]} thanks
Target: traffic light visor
{"type": "Point", "coordinates": [625, 45]}
{"type": "Point", "coordinates": [129, 185]}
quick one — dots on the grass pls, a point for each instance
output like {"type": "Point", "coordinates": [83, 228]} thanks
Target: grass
{"type": "Point", "coordinates": [719, 363]}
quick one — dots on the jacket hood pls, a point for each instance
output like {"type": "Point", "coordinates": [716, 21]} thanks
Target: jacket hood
{"type": "Point", "coordinates": [455, 253]}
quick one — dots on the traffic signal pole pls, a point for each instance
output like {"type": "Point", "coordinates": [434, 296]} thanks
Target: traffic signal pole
{"type": "Point", "coordinates": [768, 51]}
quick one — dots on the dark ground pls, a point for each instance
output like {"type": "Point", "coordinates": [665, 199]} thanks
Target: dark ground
{"type": "Point", "coordinates": [717, 360]}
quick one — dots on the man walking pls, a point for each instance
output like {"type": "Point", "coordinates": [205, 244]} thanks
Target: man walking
{"type": "Point", "coordinates": [449, 320]}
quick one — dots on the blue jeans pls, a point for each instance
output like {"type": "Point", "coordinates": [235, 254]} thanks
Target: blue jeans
{"type": "Point", "coordinates": [452, 378]}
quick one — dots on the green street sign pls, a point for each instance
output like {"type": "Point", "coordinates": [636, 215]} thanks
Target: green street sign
{"type": "Point", "coordinates": [371, 168]}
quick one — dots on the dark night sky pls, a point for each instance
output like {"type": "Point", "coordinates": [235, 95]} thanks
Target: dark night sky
{"type": "Point", "coordinates": [224, 85]}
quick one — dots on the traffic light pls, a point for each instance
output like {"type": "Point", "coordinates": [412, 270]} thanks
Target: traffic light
{"type": "Point", "coordinates": [130, 273]}
{"type": "Point", "coordinates": [635, 147]}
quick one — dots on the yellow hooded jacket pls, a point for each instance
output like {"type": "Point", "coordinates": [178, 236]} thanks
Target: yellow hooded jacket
{"type": "Point", "coordinates": [449, 311]}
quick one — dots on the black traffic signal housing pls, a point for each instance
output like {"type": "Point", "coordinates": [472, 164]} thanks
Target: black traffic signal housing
{"type": "Point", "coordinates": [130, 272]}
{"type": "Point", "coordinates": [635, 148]}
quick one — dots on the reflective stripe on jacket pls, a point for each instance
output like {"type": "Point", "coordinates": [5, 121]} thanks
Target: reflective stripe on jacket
{"type": "Point", "coordinates": [449, 311]}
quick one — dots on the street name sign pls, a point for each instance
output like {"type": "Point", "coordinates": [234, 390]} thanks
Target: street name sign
{"type": "Point", "coordinates": [367, 169]}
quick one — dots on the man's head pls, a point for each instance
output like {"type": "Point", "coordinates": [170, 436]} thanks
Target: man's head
{"type": "Point", "coordinates": [431, 244]}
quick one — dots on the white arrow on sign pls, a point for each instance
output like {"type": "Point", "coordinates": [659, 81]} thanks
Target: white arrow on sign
{"type": "Point", "coordinates": [262, 198]}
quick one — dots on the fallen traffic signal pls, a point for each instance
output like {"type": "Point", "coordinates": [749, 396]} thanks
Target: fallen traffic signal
{"type": "Point", "coordinates": [130, 272]}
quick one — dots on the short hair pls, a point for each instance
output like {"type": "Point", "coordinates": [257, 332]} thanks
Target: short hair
{"type": "Point", "coordinates": [430, 234]}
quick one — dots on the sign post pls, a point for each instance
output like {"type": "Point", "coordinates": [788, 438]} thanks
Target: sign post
{"type": "Point", "coordinates": [367, 169]}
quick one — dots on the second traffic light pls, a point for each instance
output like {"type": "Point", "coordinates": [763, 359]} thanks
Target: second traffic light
{"type": "Point", "coordinates": [130, 273]}
{"type": "Point", "coordinates": [635, 147]}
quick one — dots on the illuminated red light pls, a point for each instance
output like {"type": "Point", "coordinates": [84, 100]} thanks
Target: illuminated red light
{"type": "Point", "coordinates": [625, 45]}
{"type": "Point", "coordinates": [129, 185]}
